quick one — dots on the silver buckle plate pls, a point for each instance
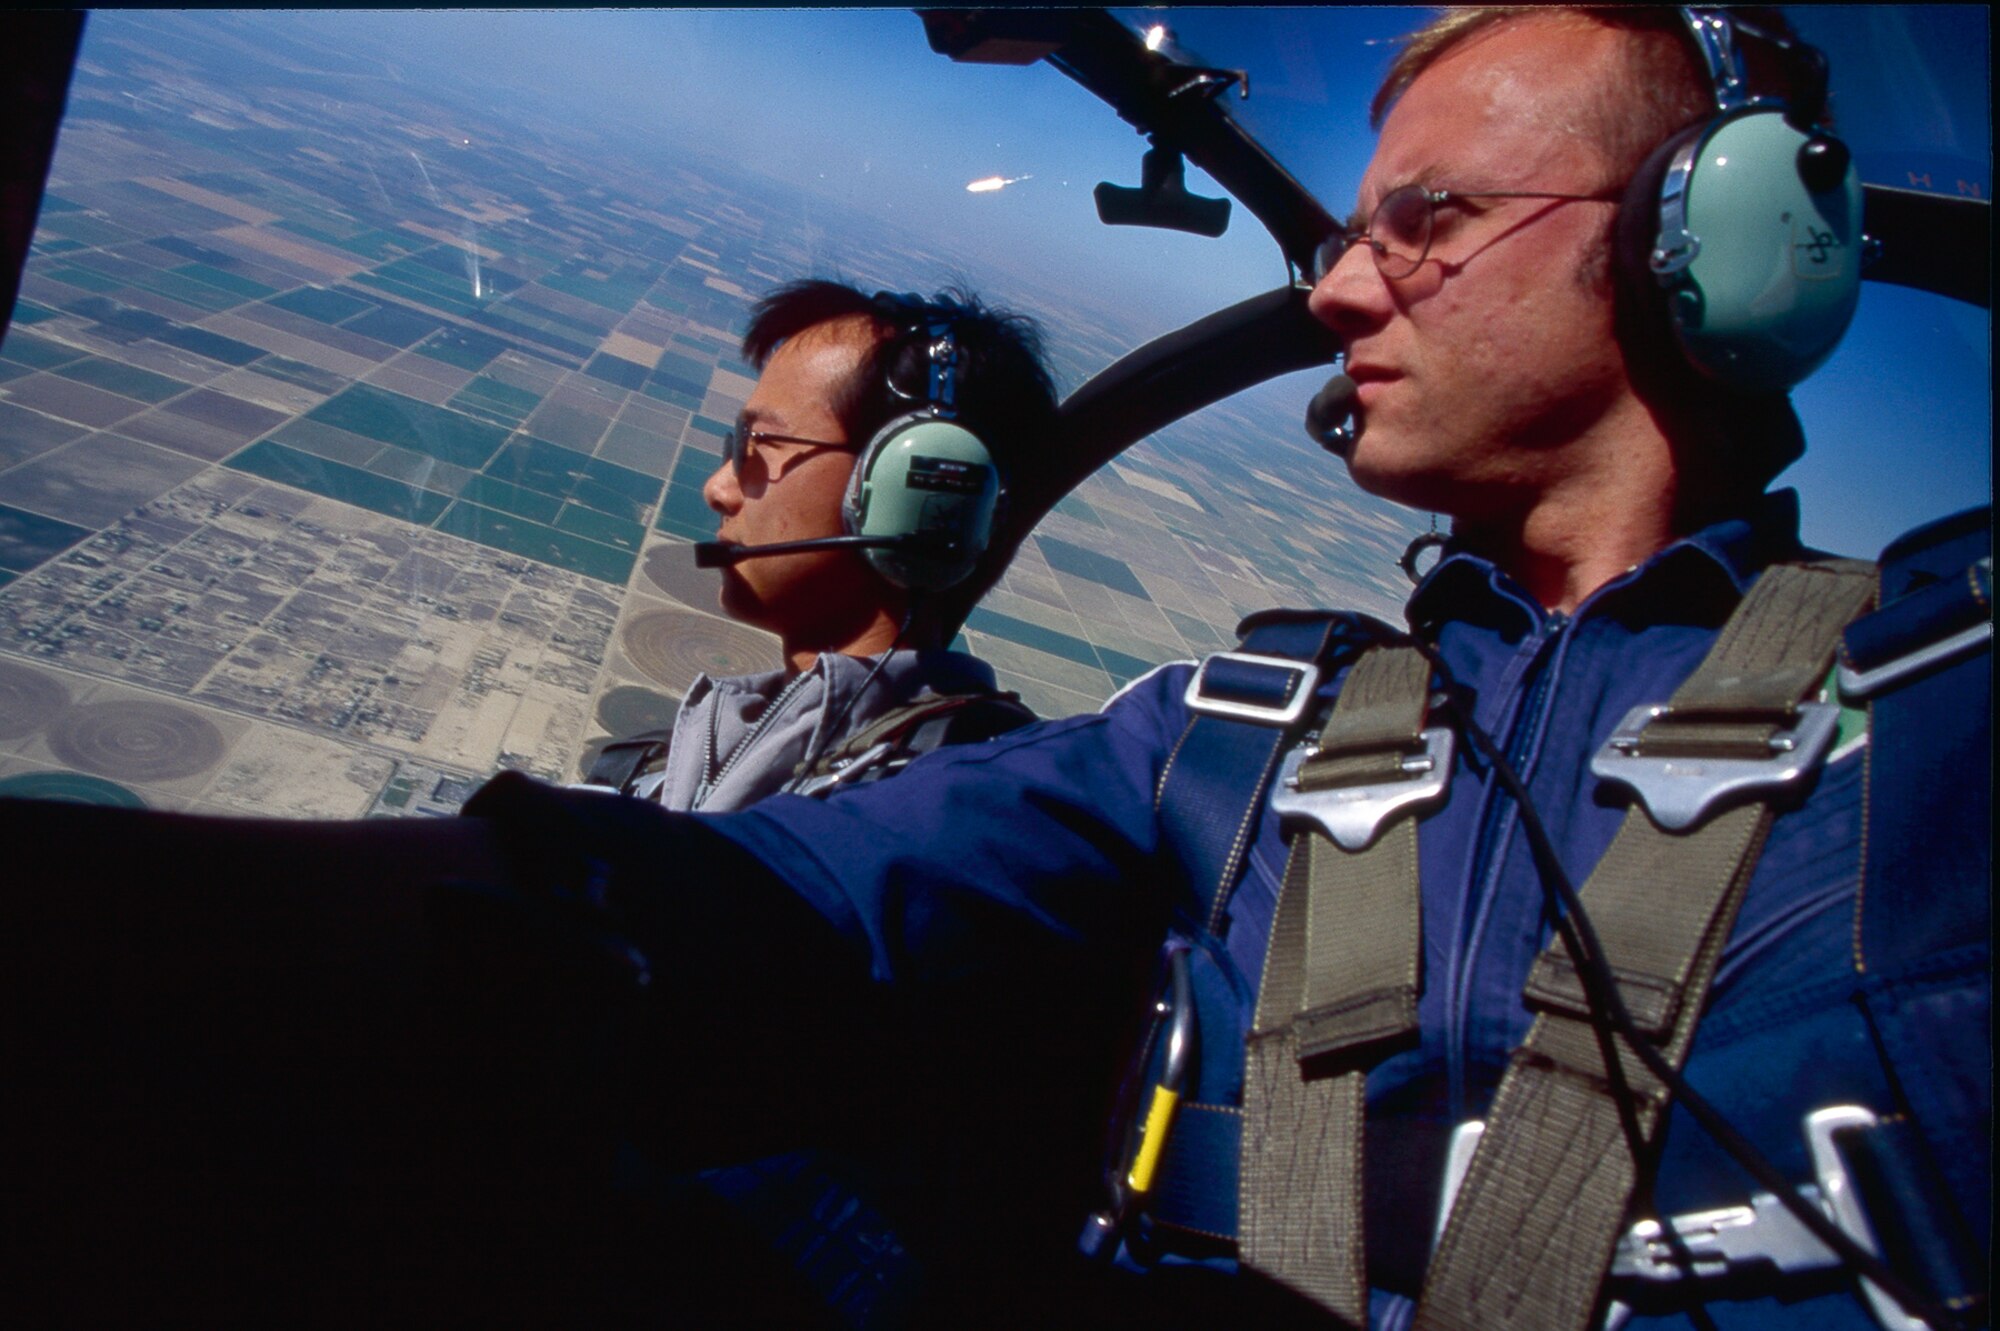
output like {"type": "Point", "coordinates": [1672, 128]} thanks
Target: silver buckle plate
{"type": "Point", "coordinates": [1731, 1238]}
{"type": "Point", "coordinates": [1678, 792]}
{"type": "Point", "coordinates": [846, 770]}
{"type": "Point", "coordinates": [1352, 815]}
{"type": "Point", "coordinates": [1837, 1197]}
{"type": "Point", "coordinates": [1293, 708]}
{"type": "Point", "coordinates": [1726, 1239]}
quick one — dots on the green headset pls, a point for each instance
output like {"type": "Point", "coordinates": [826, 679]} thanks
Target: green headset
{"type": "Point", "coordinates": [1742, 235]}
{"type": "Point", "coordinates": [925, 491]}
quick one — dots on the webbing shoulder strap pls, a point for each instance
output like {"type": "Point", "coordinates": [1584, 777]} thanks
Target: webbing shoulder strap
{"type": "Point", "coordinates": [1339, 992]}
{"type": "Point", "coordinates": [981, 716]}
{"type": "Point", "coordinates": [1923, 666]}
{"type": "Point", "coordinates": [916, 728]}
{"type": "Point", "coordinates": [1530, 1236]}
{"type": "Point", "coordinates": [1211, 794]}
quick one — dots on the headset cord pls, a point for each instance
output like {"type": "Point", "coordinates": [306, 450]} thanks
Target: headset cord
{"type": "Point", "coordinates": [1611, 1017]}
{"type": "Point", "coordinates": [832, 728]}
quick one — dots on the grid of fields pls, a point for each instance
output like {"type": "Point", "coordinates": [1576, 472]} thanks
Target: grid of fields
{"type": "Point", "coordinates": [326, 444]}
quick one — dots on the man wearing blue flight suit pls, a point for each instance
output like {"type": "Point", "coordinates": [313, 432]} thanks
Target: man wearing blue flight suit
{"type": "Point", "coordinates": [1606, 473]}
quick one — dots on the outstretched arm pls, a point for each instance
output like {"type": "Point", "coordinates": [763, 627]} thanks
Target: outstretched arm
{"type": "Point", "coordinates": [365, 1065]}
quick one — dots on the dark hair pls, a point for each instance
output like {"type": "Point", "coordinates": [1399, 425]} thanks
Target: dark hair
{"type": "Point", "coordinates": [1005, 394]}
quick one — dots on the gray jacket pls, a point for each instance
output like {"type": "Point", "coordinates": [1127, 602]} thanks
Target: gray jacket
{"type": "Point", "coordinates": [741, 738]}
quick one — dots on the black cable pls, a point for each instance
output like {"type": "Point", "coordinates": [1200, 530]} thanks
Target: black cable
{"type": "Point", "coordinates": [1579, 937]}
{"type": "Point", "coordinates": [818, 749]}
{"type": "Point", "coordinates": [1608, 1004]}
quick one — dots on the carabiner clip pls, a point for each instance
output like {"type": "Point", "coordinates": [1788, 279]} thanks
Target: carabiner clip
{"type": "Point", "coordinates": [1178, 1010]}
{"type": "Point", "coordinates": [1133, 1178]}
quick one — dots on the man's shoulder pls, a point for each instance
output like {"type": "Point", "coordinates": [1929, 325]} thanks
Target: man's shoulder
{"type": "Point", "coordinates": [1277, 651]}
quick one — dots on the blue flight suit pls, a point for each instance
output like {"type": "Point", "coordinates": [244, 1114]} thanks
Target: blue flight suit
{"type": "Point", "coordinates": [1047, 840]}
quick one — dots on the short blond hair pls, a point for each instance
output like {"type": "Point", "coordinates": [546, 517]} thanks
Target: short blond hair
{"type": "Point", "coordinates": [1658, 89]}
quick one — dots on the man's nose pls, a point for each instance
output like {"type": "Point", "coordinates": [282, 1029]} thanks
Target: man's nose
{"type": "Point", "coordinates": [1353, 295]}
{"type": "Point", "coordinates": [720, 491]}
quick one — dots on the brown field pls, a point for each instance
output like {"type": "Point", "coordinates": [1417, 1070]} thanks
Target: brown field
{"type": "Point", "coordinates": [626, 347]}
{"type": "Point", "coordinates": [301, 252]}
{"type": "Point", "coordinates": [221, 203]}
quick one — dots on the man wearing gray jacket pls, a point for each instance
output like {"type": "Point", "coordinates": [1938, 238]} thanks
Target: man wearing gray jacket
{"type": "Point", "coordinates": [861, 478]}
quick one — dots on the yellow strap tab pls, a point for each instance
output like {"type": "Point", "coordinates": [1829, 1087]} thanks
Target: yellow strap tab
{"type": "Point", "coordinates": [1158, 1117]}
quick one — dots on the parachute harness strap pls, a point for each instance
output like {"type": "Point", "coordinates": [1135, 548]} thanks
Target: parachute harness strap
{"type": "Point", "coordinates": [1339, 993]}
{"type": "Point", "coordinates": [1578, 1114]}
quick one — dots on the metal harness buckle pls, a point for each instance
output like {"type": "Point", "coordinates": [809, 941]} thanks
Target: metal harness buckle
{"type": "Point", "coordinates": [1966, 604]}
{"type": "Point", "coordinates": [1843, 1204]}
{"type": "Point", "coordinates": [1134, 1170]}
{"type": "Point", "coordinates": [1726, 1239]}
{"type": "Point", "coordinates": [1678, 791]}
{"type": "Point", "coordinates": [1352, 815]}
{"type": "Point", "coordinates": [1295, 694]}
{"type": "Point", "coordinates": [1732, 1239]}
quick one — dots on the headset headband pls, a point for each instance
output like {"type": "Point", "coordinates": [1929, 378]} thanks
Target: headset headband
{"type": "Point", "coordinates": [1714, 34]}
{"type": "Point", "coordinates": [941, 350]}
{"type": "Point", "coordinates": [1718, 36]}
{"type": "Point", "coordinates": [916, 318]}
{"type": "Point", "coordinates": [925, 483]}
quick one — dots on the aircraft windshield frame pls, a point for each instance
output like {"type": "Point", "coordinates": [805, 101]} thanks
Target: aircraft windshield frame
{"type": "Point", "coordinates": [353, 417]}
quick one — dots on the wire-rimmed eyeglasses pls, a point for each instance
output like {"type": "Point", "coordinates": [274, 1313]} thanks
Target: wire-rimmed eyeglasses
{"type": "Point", "coordinates": [737, 442]}
{"type": "Point", "coordinates": [1399, 230]}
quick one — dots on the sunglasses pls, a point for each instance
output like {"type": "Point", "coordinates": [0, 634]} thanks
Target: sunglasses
{"type": "Point", "coordinates": [737, 442]}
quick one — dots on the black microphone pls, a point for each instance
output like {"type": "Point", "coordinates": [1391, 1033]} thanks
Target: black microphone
{"type": "Point", "coordinates": [1333, 417]}
{"type": "Point", "coordinates": [721, 554]}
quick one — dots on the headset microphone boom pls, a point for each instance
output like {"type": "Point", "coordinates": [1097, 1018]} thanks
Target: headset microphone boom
{"type": "Point", "coordinates": [722, 554]}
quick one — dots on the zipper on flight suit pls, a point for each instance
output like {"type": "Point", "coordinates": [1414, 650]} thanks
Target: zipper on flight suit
{"type": "Point", "coordinates": [1497, 820]}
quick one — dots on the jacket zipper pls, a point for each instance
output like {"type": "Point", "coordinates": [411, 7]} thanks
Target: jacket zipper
{"type": "Point", "coordinates": [1496, 825]}
{"type": "Point", "coordinates": [778, 704]}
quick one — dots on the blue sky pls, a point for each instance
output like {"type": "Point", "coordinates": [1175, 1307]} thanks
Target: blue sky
{"type": "Point", "coordinates": [851, 105]}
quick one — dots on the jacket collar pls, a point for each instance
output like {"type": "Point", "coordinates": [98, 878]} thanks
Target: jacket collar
{"type": "Point", "coordinates": [1697, 578]}
{"type": "Point", "coordinates": [739, 738]}
{"type": "Point", "coordinates": [904, 672]}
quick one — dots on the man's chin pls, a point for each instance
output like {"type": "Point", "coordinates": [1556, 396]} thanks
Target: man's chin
{"type": "Point", "coordinates": [737, 600]}
{"type": "Point", "coordinates": [1386, 474]}
{"type": "Point", "coordinates": [1373, 463]}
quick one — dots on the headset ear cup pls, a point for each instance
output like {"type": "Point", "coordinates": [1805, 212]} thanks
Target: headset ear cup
{"type": "Point", "coordinates": [925, 485]}
{"type": "Point", "coordinates": [1779, 275]}
{"type": "Point", "coordinates": [1765, 273]}
{"type": "Point", "coordinates": [922, 476]}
